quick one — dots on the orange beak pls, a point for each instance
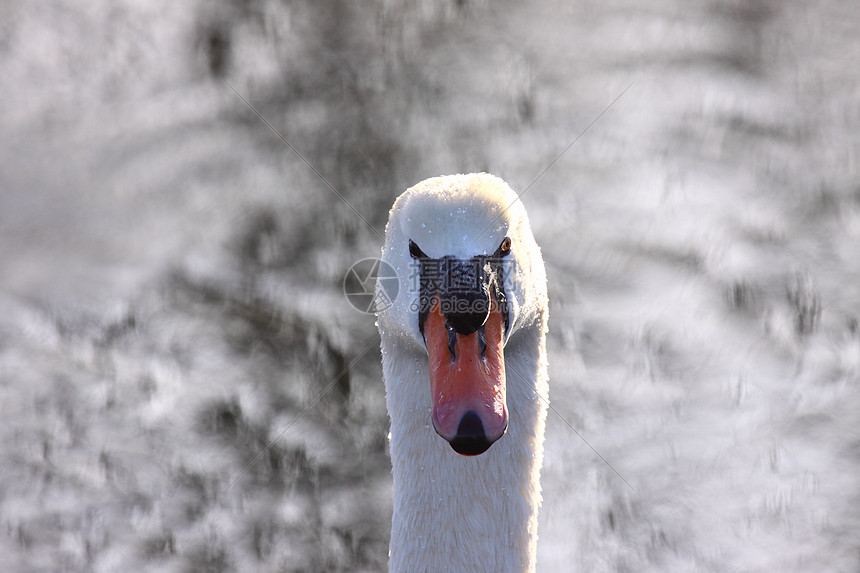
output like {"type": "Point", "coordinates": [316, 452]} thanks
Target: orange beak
{"type": "Point", "coordinates": [467, 381]}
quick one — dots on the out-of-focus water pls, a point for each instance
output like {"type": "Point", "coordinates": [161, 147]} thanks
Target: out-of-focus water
{"type": "Point", "coordinates": [170, 273]}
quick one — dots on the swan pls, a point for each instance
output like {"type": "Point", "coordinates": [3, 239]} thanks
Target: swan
{"type": "Point", "coordinates": [465, 371]}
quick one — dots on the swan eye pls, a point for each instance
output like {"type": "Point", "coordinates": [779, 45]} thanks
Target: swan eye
{"type": "Point", "coordinates": [415, 251]}
{"type": "Point", "coordinates": [505, 247]}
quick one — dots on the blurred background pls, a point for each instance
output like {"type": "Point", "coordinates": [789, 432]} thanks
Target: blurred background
{"type": "Point", "coordinates": [171, 273]}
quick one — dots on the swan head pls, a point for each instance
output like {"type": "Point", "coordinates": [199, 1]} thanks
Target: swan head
{"type": "Point", "coordinates": [469, 275]}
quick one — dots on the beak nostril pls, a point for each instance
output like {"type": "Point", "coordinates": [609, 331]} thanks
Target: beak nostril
{"type": "Point", "coordinates": [452, 341]}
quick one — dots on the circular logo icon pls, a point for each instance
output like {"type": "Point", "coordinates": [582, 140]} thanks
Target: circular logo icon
{"type": "Point", "coordinates": [360, 285]}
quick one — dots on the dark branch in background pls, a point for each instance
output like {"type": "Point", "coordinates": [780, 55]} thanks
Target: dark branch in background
{"type": "Point", "coordinates": [305, 161]}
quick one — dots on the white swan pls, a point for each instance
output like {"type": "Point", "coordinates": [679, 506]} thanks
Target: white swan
{"type": "Point", "coordinates": [463, 353]}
